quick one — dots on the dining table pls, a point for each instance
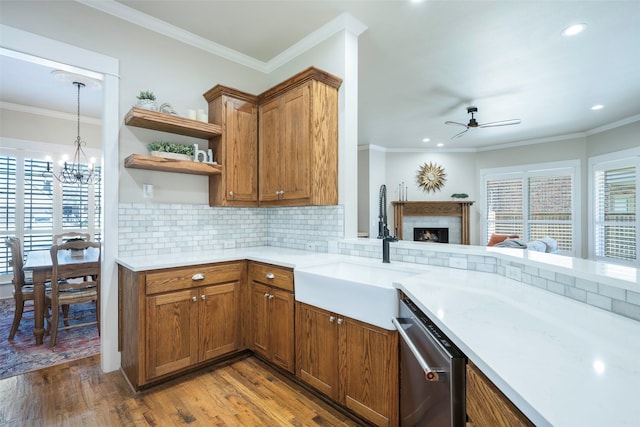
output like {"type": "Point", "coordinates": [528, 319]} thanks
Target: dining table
{"type": "Point", "coordinates": [39, 264]}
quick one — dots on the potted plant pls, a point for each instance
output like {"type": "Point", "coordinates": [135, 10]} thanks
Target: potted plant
{"type": "Point", "coordinates": [171, 150]}
{"type": "Point", "coordinates": [459, 195]}
{"type": "Point", "coordinates": [147, 99]}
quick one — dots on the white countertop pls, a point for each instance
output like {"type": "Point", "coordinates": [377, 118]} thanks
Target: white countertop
{"type": "Point", "coordinates": [563, 363]}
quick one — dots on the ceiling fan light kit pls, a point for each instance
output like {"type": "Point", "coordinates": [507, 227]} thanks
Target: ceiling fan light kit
{"type": "Point", "coordinates": [473, 123]}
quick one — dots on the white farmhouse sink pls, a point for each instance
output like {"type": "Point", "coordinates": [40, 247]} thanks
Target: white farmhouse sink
{"type": "Point", "coordinates": [362, 291]}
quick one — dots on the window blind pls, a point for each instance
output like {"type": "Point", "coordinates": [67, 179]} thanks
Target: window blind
{"type": "Point", "coordinates": [550, 209]}
{"type": "Point", "coordinates": [504, 206]}
{"type": "Point", "coordinates": [615, 218]}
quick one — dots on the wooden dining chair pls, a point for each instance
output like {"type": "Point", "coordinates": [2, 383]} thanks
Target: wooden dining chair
{"type": "Point", "coordinates": [22, 287]}
{"type": "Point", "coordinates": [66, 292]}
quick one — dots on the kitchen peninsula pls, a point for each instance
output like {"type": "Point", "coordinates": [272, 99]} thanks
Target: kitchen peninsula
{"type": "Point", "coordinates": [559, 360]}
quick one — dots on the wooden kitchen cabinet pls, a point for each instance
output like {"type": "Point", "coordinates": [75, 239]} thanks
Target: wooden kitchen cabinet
{"type": "Point", "coordinates": [352, 362]}
{"type": "Point", "coordinates": [489, 407]}
{"type": "Point", "coordinates": [236, 147]}
{"type": "Point", "coordinates": [298, 141]}
{"type": "Point", "coordinates": [178, 318]}
{"type": "Point", "coordinates": [272, 304]}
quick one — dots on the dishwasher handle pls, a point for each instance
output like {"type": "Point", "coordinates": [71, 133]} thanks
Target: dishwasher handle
{"type": "Point", "coordinates": [430, 374]}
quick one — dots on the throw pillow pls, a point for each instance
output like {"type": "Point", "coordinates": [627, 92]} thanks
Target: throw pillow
{"type": "Point", "coordinates": [497, 238]}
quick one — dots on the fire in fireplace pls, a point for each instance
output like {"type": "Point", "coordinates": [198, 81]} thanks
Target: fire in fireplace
{"type": "Point", "coordinates": [431, 234]}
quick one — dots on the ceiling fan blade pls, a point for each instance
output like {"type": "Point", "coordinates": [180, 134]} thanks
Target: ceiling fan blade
{"type": "Point", "coordinates": [456, 123]}
{"type": "Point", "coordinates": [500, 123]}
{"type": "Point", "coordinates": [458, 135]}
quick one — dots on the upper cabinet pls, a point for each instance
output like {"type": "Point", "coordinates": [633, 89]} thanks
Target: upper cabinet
{"type": "Point", "coordinates": [236, 147]}
{"type": "Point", "coordinates": [298, 141]}
{"type": "Point", "coordinates": [279, 148]}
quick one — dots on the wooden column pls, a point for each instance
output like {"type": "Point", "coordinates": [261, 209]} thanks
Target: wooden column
{"type": "Point", "coordinates": [438, 208]}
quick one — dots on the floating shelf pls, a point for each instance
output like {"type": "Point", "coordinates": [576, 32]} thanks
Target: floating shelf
{"type": "Point", "coordinates": [138, 161]}
{"type": "Point", "coordinates": [164, 122]}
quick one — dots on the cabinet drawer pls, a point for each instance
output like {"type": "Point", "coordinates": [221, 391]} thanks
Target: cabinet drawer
{"type": "Point", "coordinates": [271, 275]}
{"type": "Point", "coordinates": [192, 276]}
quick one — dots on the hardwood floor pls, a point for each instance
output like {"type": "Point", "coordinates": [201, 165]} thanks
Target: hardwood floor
{"type": "Point", "coordinates": [243, 393]}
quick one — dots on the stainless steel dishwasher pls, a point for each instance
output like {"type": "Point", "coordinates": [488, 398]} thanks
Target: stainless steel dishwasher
{"type": "Point", "coordinates": [432, 372]}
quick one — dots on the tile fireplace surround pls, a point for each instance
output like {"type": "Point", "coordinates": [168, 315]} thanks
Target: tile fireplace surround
{"type": "Point", "coordinates": [438, 208]}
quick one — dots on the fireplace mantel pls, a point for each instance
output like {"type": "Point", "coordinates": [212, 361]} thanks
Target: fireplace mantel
{"type": "Point", "coordinates": [436, 208]}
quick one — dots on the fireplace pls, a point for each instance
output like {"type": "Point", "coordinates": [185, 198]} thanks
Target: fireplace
{"type": "Point", "coordinates": [431, 234]}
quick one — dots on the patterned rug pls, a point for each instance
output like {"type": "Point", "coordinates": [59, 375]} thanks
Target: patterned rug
{"type": "Point", "coordinates": [22, 355]}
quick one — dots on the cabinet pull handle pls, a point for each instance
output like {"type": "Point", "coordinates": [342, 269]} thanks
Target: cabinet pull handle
{"type": "Point", "coordinates": [339, 321]}
{"type": "Point", "coordinates": [331, 319]}
{"type": "Point", "coordinates": [194, 299]}
{"type": "Point", "coordinates": [266, 295]}
{"type": "Point", "coordinates": [270, 275]}
{"type": "Point", "coordinates": [270, 296]}
{"type": "Point", "coordinates": [198, 276]}
{"type": "Point", "coordinates": [203, 297]}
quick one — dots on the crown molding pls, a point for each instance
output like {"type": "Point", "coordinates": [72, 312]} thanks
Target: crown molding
{"type": "Point", "coordinates": [48, 113]}
{"type": "Point", "coordinates": [343, 22]}
{"type": "Point", "coordinates": [129, 14]}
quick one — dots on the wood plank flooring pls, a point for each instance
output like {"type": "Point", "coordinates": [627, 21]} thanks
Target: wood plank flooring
{"type": "Point", "coordinates": [243, 393]}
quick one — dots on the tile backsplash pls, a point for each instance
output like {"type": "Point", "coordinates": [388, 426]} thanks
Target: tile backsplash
{"type": "Point", "coordinates": [152, 229]}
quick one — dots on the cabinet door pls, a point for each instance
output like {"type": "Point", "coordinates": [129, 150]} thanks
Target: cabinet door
{"type": "Point", "coordinates": [218, 320]}
{"type": "Point", "coordinates": [370, 377]}
{"type": "Point", "coordinates": [269, 159]}
{"type": "Point", "coordinates": [281, 328]}
{"type": "Point", "coordinates": [317, 349]}
{"type": "Point", "coordinates": [260, 315]}
{"type": "Point", "coordinates": [295, 149]}
{"type": "Point", "coordinates": [172, 332]}
{"type": "Point", "coordinates": [241, 139]}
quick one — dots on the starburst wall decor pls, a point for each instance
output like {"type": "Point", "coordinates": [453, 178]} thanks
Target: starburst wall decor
{"type": "Point", "coordinates": [431, 177]}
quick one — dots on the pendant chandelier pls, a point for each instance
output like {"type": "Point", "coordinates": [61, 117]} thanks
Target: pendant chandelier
{"type": "Point", "coordinates": [80, 170]}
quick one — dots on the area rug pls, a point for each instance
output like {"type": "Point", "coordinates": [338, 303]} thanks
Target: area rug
{"type": "Point", "coordinates": [22, 355]}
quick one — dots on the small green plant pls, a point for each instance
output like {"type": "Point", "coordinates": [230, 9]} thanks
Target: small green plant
{"type": "Point", "coordinates": [459, 195]}
{"type": "Point", "coordinates": [171, 147]}
{"type": "Point", "coordinates": [146, 94]}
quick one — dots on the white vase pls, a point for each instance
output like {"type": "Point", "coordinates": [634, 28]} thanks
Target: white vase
{"type": "Point", "coordinates": [147, 104]}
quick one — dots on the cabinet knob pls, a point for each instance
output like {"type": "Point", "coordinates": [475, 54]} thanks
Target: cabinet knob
{"type": "Point", "coordinates": [270, 296]}
{"type": "Point", "coordinates": [194, 299]}
{"type": "Point", "coordinates": [270, 275]}
{"type": "Point", "coordinates": [198, 276]}
{"type": "Point", "coordinates": [332, 318]}
{"type": "Point", "coordinates": [203, 297]}
{"type": "Point", "coordinates": [231, 193]}
{"type": "Point", "coordinates": [340, 321]}
{"type": "Point", "coordinates": [266, 294]}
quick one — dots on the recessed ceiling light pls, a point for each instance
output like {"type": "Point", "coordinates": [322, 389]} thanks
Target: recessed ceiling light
{"type": "Point", "coordinates": [440, 144]}
{"type": "Point", "coordinates": [425, 140]}
{"type": "Point", "coordinates": [574, 29]}
{"type": "Point", "coordinates": [597, 107]}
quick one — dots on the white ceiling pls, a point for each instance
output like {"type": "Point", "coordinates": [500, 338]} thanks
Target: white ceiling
{"type": "Point", "coordinates": [423, 63]}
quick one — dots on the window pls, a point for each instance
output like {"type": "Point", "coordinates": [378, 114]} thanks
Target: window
{"type": "Point", "coordinates": [34, 207]}
{"type": "Point", "coordinates": [534, 202]}
{"type": "Point", "coordinates": [615, 220]}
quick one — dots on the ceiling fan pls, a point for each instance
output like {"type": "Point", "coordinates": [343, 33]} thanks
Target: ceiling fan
{"type": "Point", "coordinates": [474, 124]}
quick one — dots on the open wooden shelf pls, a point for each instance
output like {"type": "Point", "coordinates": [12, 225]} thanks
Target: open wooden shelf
{"type": "Point", "coordinates": [138, 161]}
{"type": "Point", "coordinates": [164, 122]}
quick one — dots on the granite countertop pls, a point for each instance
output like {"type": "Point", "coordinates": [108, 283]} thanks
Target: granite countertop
{"type": "Point", "coordinates": [562, 362]}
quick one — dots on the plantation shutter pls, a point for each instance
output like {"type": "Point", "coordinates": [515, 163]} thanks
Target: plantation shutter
{"type": "Point", "coordinates": [7, 208]}
{"type": "Point", "coordinates": [550, 209]}
{"type": "Point", "coordinates": [504, 206]}
{"type": "Point", "coordinates": [38, 206]}
{"type": "Point", "coordinates": [615, 219]}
